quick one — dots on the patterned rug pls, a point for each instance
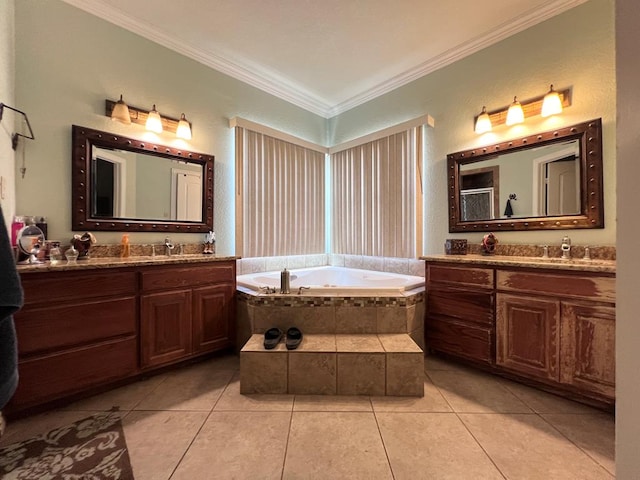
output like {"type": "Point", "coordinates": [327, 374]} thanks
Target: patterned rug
{"type": "Point", "coordinates": [93, 448]}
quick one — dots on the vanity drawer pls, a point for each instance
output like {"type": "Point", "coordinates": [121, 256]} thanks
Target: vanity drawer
{"type": "Point", "coordinates": [48, 377]}
{"type": "Point", "coordinates": [178, 277]}
{"type": "Point", "coordinates": [46, 287]}
{"type": "Point", "coordinates": [463, 305]}
{"type": "Point", "coordinates": [459, 339]}
{"type": "Point", "coordinates": [449, 275]}
{"type": "Point", "coordinates": [45, 329]}
{"type": "Point", "coordinates": [559, 285]}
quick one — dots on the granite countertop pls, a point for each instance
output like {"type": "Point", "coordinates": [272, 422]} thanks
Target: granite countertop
{"type": "Point", "coordinates": [595, 265]}
{"type": "Point", "coordinates": [116, 262]}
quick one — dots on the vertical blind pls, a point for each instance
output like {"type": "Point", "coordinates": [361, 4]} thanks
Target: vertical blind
{"type": "Point", "coordinates": [281, 190]}
{"type": "Point", "coordinates": [377, 197]}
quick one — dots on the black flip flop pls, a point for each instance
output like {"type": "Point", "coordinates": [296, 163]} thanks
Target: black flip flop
{"type": "Point", "coordinates": [294, 337]}
{"type": "Point", "coordinates": [272, 338]}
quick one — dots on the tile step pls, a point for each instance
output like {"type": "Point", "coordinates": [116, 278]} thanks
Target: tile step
{"type": "Point", "coordinates": [334, 364]}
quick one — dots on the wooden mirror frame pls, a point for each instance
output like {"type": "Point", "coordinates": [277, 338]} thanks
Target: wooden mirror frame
{"type": "Point", "coordinates": [83, 139]}
{"type": "Point", "coordinates": [589, 136]}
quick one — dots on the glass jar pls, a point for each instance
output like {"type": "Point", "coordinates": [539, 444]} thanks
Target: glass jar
{"type": "Point", "coordinates": [71, 254]}
{"type": "Point", "coordinates": [55, 253]}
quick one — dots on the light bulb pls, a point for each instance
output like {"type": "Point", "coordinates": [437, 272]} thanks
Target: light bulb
{"type": "Point", "coordinates": [154, 121]}
{"type": "Point", "coordinates": [551, 105]}
{"type": "Point", "coordinates": [483, 122]}
{"type": "Point", "coordinates": [515, 114]}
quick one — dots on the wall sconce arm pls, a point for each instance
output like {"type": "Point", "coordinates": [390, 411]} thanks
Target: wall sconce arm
{"type": "Point", "coordinates": [16, 136]}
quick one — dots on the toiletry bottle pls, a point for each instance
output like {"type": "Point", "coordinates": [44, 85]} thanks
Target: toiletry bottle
{"type": "Point", "coordinates": [16, 226]}
{"type": "Point", "coordinates": [125, 250]}
{"type": "Point", "coordinates": [41, 223]}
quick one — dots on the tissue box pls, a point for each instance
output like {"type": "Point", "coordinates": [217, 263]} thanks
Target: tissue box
{"type": "Point", "coordinates": [455, 246]}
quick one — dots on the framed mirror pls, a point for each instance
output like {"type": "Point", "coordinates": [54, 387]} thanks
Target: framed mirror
{"type": "Point", "coordinates": [123, 184]}
{"type": "Point", "coordinates": [550, 180]}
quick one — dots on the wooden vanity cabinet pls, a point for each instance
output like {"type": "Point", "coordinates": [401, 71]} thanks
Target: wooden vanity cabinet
{"type": "Point", "coordinates": [553, 328]}
{"type": "Point", "coordinates": [85, 329]}
{"type": "Point", "coordinates": [559, 327]}
{"type": "Point", "coordinates": [76, 330]}
{"type": "Point", "coordinates": [460, 311]}
{"type": "Point", "coordinates": [186, 311]}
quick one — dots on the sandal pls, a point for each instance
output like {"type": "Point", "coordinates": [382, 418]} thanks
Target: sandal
{"type": "Point", "coordinates": [294, 337]}
{"type": "Point", "coordinates": [272, 338]}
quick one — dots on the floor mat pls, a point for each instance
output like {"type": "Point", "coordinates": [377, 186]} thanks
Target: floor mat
{"type": "Point", "coordinates": [93, 448]}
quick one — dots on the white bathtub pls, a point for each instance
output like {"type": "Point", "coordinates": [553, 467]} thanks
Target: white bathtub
{"type": "Point", "coordinates": [334, 281]}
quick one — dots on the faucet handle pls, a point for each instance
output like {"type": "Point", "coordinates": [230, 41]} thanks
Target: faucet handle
{"type": "Point", "coordinates": [545, 251]}
{"type": "Point", "coordinates": [587, 253]}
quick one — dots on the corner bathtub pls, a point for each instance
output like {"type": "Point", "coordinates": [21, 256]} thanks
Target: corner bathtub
{"type": "Point", "coordinates": [334, 281]}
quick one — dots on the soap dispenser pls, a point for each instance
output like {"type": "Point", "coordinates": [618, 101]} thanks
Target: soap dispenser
{"type": "Point", "coordinates": [125, 249]}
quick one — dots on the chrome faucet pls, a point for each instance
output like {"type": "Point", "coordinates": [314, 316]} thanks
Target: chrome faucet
{"type": "Point", "coordinates": [566, 248]}
{"type": "Point", "coordinates": [168, 246]}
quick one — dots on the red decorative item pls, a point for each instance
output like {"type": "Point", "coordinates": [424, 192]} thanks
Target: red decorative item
{"type": "Point", "coordinates": [489, 242]}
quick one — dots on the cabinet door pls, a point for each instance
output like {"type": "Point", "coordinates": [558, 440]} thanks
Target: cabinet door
{"type": "Point", "coordinates": [213, 319]}
{"type": "Point", "coordinates": [527, 335]}
{"type": "Point", "coordinates": [165, 330]}
{"type": "Point", "coordinates": [588, 347]}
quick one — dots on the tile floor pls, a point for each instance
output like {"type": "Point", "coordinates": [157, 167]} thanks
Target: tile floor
{"type": "Point", "coordinates": [194, 424]}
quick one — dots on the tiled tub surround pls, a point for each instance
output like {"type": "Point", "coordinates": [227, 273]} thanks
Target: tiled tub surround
{"type": "Point", "coordinates": [351, 346]}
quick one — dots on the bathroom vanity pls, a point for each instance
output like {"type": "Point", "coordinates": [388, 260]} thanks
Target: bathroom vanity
{"type": "Point", "coordinates": [105, 321]}
{"type": "Point", "coordinates": [545, 322]}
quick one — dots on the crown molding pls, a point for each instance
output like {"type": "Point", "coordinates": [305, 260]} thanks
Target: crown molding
{"type": "Point", "coordinates": [284, 89]}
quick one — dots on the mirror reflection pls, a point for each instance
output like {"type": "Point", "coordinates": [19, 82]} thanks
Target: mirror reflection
{"type": "Point", "coordinates": [135, 185]}
{"type": "Point", "coordinates": [538, 182]}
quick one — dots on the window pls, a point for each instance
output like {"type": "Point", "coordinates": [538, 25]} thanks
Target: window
{"type": "Point", "coordinates": [377, 196]}
{"type": "Point", "coordinates": [280, 203]}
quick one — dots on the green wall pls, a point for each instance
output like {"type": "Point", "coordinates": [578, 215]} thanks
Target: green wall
{"type": "Point", "coordinates": [575, 49]}
{"type": "Point", "coordinates": [68, 62]}
{"type": "Point", "coordinates": [7, 96]}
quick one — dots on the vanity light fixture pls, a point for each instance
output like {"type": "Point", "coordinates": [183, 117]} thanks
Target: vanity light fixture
{"type": "Point", "coordinates": [120, 112]}
{"type": "Point", "coordinates": [483, 122]}
{"type": "Point", "coordinates": [141, 117]}
{"type": "Point", "coordinates": [515, 114]}
{"type": "Point", "coordinates": [530, 108]}
{"type": "Point", "coordinates": [551, 104]}
{"type": "Point", "coordinates": [184, 128]}
{"type": "Point", "coordinates": [154, 122]}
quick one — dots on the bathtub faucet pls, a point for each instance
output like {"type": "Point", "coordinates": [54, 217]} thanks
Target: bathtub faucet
{"type": "Point", "coordinates": [302, 288]}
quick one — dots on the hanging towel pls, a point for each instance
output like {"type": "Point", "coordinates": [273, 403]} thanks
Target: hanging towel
{"type": "Point", "coordinates": [10, 302]}
{"type": "Point", "coordinates": [508, 211]}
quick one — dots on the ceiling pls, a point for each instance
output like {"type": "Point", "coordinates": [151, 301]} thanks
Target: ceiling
{"type": "Point", "coordinates": [325, 56]}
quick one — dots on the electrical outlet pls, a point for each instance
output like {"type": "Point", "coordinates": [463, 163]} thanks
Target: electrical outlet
{"type": "Point", "coordinates": [3, 187]}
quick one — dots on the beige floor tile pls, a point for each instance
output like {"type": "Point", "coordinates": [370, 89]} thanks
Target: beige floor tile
{"type": "Point", "coordinates": [433, 401]}
{"type": "Point", "coordinates": [328, 445]}
{"type": "Point", "coordinates": [332, 403]}
{"type": "Point", "coordinates": [189, 389]}
{"type": "Point", "coordinates": [124, 398]}
{"type": "Point", "coordinates": [527, 447]}
{"type": "Point", "coordinates": [593, 433]}
{"type": "Point", "coordinates": [240, 445]}
{"type": "Point", "coordinates": [476, 392]}
{"type": "Point", "coordinates": [233, 400]}
{"type": "Point", "coordinates": [29, 427]}
{"type": "Point", "coordinates": [543, 402]}
{"type": "Point", "coordinates": [158, 440]}
{"type": "Point", "coordinates": [433, 446]}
